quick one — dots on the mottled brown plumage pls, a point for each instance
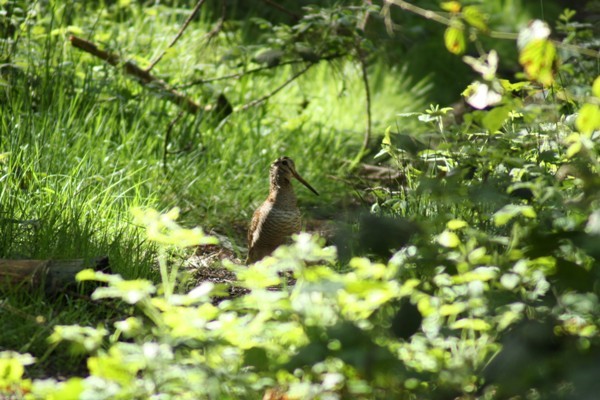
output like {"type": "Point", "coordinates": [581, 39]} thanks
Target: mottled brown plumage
{"type": "Point", "coordinates": [278, 217]}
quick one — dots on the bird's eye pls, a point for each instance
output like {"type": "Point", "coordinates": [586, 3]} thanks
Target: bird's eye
{"type": "Point", "coordinates": [284, 162]}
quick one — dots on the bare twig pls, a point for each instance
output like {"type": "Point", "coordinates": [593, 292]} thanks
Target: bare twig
{"type": "Point", "coordinates": [283, 9]}
{"type": "Point", "coordinates": [434, 16]}
{"type": "Point", "coordinates": [238, 75]}
{"type": "Point", "coordinates": [428, 14]}
{"type": "Point", "coordinates": [168, 138]}
{"type": "Point", "coordinates": [215, 31]}
{"type": "Point", "coordinates": [147, 79]}
{"type": "Point", "coordinates": [368, 130]}
{"type": "Point", "coordinates": [363, 23]}
{"type": "Point", "coordinates": [176, 38]}
{"type": "Point", "coordinates": [274, 92]}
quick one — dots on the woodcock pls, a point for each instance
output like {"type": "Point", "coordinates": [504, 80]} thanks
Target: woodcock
{"type": "Point", "coordinates": [278, 217]}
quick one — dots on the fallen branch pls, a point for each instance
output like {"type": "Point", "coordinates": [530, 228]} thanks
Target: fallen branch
{"type": "Point", "coordinates": [145, 78]}
{"type": "Point", "coordinates": [55, 275]}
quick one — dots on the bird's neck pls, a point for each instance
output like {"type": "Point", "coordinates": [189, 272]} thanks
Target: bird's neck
{"type": "Point", "coordinates": [282, 193]}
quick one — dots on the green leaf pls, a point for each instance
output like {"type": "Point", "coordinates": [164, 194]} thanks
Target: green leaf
{"type": "Point", "coordinates": [574, 149]}
{"type": "Point", "coordinates": [475, 324]}
{"type": "Point", "coordinates": [588, 119]}
{"type": "Point", "coordinates": [456, 224]}
{"type": "Point", "coordinates": [537, 58]}
{"type": "Point", "coordinates": [448, 239]}
{"type": "Point", "coordinates": [452, 309]}
{"type": "Point", "coordinates": [596, 87]}
{"type": "Point", "coordinates": [451, 6]}
{"type": "Point", "coordinates": [475, 18]}
{"type": "Point", "coordinates": [455, 41]}
{"type": "Point", "coordinates": [494, 119]}
{"type": "Point", "coordinates": [509, 211]}
{"type": "Point", "coordinates": [69, 390]}
{"type": "Point", "coordinates": [131, 291]}
{"type": "Point", "coordinates": [510, 281]}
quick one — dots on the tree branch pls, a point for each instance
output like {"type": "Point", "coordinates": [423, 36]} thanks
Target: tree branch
{"type": "Point", "coordinates": [434, 16]}
{"type": "Point", "coordinates": [238, 75]}
{"type": "Point", "coordinates": [144, 77]}
{"type": "Point", "coordinates": [283, 9]}
{"type": "Point", "coordinates": [176, 38]}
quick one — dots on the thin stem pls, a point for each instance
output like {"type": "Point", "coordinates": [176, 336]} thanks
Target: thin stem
{"type": "Point", "coordinates": [365, 77]}
{"type": "Point", "coordinates": [238, 75]}
{"type": "Point", "coordinates": [176, 38]}
{"type": "Point", "coordinates": [274, 92]}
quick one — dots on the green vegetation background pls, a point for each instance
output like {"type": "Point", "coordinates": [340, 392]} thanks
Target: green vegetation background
{"type": "Point", "coordinates": [81, 144]}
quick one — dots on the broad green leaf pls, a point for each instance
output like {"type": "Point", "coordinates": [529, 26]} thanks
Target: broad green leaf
{"type": "Point", "coordinates": [452, 309]}
{"type": "Point", "coordinates": [475, 18]}
{"type": "Point", "coordinates": [84, 338]}
{"type": "Point", "coordinates": [38, 30]}
{"type": "Point", "coordinates": [456, 224]}
{"type": "Point", "coordinates": [455, 41]}
{"type": "Point", "coordinates": [448, 239]}
{"type": "Point", "coordinates": [68, 390]}
{"type": "Point", "coordinates": [451, 6]}
{"type": "Point", "coordinates": [11, 370]}
{"type": "Point", "coordinates": [131, 291]}
{"type": "Point", "coordinates": [510, 280]}
{"type": "Point", "coordinates": [91, 275]}
{"type": "Point", "coordinates": [477, 255]}
{"type": "Point", "coordinates": [596, 87]}
{"type": "Point", "coordinates": [482, 274]}
{"type": "Point", "coordinates": [494, 119]}
{"type": "Point", "coordinates": [514, 86]}
{"type": "Point", "coordinates": [387, 141]}
{"type": "Point", "coordinates": [574, 149]}
{"type": "Point", "coordinates": [475, 324]}
{"type": "Point", "coordinates": [113, 368]}
{"type": "Point", "coordinates": [588, 119]}
{"type": "Point", "coordinates": [537, 58]}
{"type": "Point", "coordinates": [509, 211]}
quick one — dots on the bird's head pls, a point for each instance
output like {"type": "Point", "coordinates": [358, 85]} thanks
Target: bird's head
{"type": "Point", "coordinates": [284, 169]}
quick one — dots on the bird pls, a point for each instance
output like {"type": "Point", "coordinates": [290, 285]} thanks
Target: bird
{"type": "Point", "coordinates": [278, 217]}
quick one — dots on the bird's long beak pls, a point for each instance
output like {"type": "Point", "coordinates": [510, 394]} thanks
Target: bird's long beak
{"type": "Point", "coordinates": [297, 176]}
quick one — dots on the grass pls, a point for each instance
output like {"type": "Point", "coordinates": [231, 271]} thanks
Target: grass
{"type": "Point", "coordinates": [81, 144]}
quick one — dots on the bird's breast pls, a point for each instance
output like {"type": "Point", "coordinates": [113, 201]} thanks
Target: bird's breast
{"type": "Point", "coordinates": [276, 225]}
